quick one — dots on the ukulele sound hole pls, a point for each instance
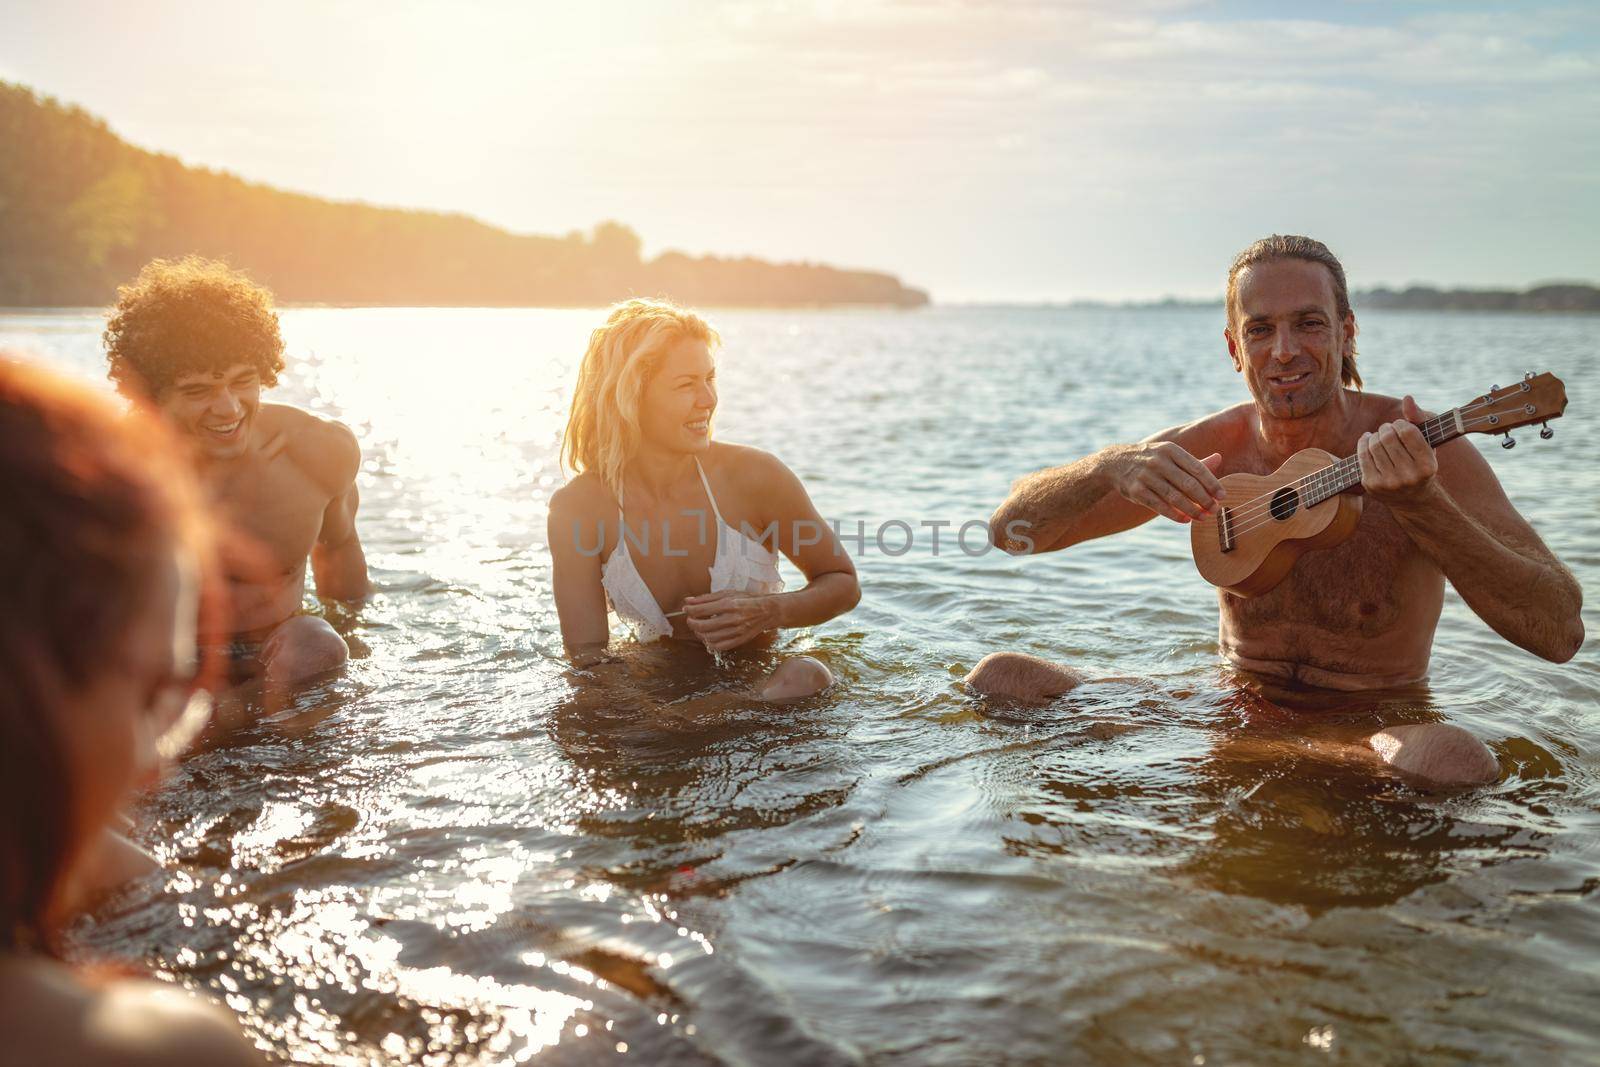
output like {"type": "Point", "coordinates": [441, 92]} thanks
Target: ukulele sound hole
{"type": "Point", "coordinates": [1285, 502]}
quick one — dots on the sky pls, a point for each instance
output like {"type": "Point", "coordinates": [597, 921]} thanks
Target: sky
{"type": "Point", "coordinates": [981, 149]}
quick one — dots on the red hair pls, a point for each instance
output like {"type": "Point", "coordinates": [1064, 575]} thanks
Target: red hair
{"type": "Point", "coordinates": [93, 498]}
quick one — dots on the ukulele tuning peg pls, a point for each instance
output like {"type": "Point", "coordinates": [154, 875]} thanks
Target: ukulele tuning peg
{"type": "Point", "coordinates": [1509, 442]}
{"type": "Point", "coordinates": [1546, 432]}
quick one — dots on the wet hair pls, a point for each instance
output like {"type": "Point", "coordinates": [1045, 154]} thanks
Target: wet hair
{"type": "Point", "coordinates": [93, 497]}
{"type": "Point", "coordinates": [603, 428]}
{"type": "Point", "coordinates": [1289, 246]}
{"type": "Point", "coordinates": [189, 316]}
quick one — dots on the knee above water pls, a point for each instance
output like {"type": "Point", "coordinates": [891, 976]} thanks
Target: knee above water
{"type": "Point", "coordinates": [307, 646]}
{"type": "Point", "coordinates": [1441, 753]}
{"type": "Point", "coordinates": [995, 669]}
{"type": "Point", "coordinates": [798, 677]}
{"type": "Point", "coordinates": [1013, 674]}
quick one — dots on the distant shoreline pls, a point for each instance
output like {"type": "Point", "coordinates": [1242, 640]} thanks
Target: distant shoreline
{"type": "Point", "coordinates": [1550, 298]}
{"type": "Point", "coordinates": [1382, 300]}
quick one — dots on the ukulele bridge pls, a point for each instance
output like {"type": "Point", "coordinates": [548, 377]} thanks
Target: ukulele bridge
{"type": "Point", "coordinates": [1225, 530]}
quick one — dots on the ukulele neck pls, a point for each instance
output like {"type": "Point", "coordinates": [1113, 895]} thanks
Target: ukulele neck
{"type": "Point", "coordinates": [1344, 475]}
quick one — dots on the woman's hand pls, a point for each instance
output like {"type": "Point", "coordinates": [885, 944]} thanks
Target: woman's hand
{"type": "Point", "coordinates": [727, 619]}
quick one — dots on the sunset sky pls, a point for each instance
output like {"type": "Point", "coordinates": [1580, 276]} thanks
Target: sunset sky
{"type": "Point", "coordinates": [985, 151]}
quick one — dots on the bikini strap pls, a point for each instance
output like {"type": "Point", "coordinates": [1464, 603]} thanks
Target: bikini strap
{"type": "Point", "coordinates": [709, 496]}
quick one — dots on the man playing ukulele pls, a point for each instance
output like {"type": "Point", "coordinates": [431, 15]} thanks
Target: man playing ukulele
{"type": "Point", "coordinates": [1360, 615]}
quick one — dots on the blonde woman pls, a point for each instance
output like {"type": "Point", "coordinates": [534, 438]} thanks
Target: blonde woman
{"type": "Point", "coordinates": [680, 533]}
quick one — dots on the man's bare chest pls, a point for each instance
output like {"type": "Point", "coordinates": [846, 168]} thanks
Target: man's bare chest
{"type": "Point", "coordinates": [1360, 587]}
{"type": "Point", "coordinates": [280, 509]}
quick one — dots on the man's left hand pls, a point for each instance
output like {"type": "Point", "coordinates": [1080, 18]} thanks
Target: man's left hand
{"type": "Point", "coordinates": [727, 619]}
{"type": "Point", "coordinates": [1397, 463]}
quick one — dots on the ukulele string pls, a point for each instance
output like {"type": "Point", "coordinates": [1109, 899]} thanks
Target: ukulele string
{"type": "Point", "coordinates": [1250, 514]}
{"type": "Point", "coordinates": [1256, 521]}
{"type": "Point", "coordinates": [1252, 508]}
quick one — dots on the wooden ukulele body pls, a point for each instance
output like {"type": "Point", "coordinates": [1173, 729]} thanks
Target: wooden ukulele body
{"type": "Point", "coordinates": [1261, 527]}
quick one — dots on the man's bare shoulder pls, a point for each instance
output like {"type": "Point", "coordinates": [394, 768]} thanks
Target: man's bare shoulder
{"type": "Point", "coordinates": [1375, 409]}
{"type": "Point", "coordinates": [1216, 432]}
{"type": "Point", "coordinates": [53, 1017]}
{"type": "Point", "coordinates": [324, 448]}
{"type": "Point", "coordinates": [1462, 468]}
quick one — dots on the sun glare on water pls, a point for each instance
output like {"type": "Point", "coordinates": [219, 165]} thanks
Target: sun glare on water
{"type": "Point", "coordinates": [467, 403]}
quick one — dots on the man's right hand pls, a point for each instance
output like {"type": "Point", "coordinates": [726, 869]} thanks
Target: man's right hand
{"type": "Point", "coordinates": [1161, 476]}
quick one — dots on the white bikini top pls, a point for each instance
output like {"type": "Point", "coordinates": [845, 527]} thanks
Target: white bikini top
{"type": "Point", "coordinates": [742, 564]}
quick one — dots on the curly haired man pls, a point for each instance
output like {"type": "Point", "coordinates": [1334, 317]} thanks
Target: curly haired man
{"type": "Point", "coordinates": [200, 342]}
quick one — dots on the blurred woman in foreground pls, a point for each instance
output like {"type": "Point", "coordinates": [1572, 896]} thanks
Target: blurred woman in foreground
{"type": "Point", "coordinates": [678, 532]}
{"type": "Point", "coordinates": [103, 552]}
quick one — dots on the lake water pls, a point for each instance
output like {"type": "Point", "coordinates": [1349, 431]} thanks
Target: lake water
{"type": "Point", "coordinates": [451, 856]}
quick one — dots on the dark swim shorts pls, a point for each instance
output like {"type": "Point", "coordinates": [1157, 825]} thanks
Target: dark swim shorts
{"type": "Point", "coordinates": [241, 658]}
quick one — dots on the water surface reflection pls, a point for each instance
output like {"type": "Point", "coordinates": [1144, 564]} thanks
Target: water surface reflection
{"type": "Point", "coordinates": [453, 854]}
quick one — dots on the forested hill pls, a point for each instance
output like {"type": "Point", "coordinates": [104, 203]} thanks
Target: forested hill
{"type": "Point", "coordinates": [81, 210]}
{"type": "Point", "coordinates": [1554, 296]}
{"type": "Point", "coordinates": [1560, 296]}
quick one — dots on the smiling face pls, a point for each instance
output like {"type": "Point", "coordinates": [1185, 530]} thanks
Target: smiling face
{"type": "Point", "coordinates": [215, 409]}
{"type": "Point", "coordinates": [678, 401]}
{"type": "Point", "coordinates": [1287, 337]}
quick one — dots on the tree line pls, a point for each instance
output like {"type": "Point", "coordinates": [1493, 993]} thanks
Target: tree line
{"type": "Point", "coordinates": [81, 210]}
{"type": "Point", "coordinates": [1563, 296]}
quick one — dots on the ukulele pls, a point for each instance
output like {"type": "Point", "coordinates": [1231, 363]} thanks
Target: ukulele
{"type": "Point", "coordinates": [1265, 522]}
